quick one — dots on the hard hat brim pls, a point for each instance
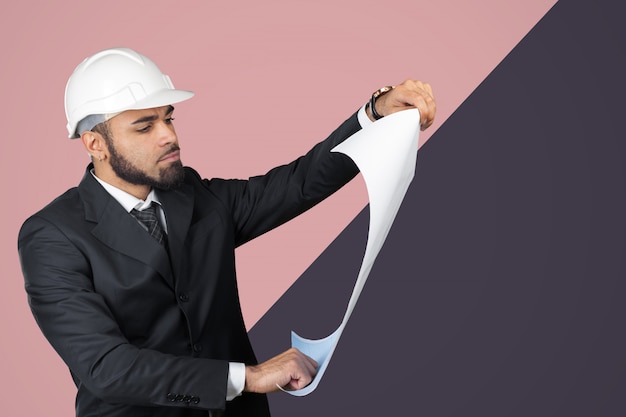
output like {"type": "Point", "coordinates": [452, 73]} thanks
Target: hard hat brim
{"type": "Point", "coordinates": [159, 98]}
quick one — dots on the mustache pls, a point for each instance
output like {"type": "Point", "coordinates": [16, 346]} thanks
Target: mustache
{"type": "Point", "coordinates": [172, 148]}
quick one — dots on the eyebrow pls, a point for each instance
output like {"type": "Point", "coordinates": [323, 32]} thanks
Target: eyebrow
{"type": "Point", "coordinates": [152, 118]}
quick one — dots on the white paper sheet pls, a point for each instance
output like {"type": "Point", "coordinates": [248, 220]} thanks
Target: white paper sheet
{"type": "Point", "coordinates": [386, 154]}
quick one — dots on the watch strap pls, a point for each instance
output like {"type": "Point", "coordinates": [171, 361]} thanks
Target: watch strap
{"type": "Point", "coordinates": [375, 95]}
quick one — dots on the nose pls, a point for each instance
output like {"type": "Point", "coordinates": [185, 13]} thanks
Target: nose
{"type": "Point", "coordinates": [166, 133]}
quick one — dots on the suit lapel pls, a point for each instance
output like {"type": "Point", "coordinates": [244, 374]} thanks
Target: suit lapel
{"type": "Point", "coordinates": [117, 229]}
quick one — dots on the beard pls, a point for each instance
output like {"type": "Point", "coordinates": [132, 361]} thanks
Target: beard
{"type": "Point", "coordinates": [170, 177]}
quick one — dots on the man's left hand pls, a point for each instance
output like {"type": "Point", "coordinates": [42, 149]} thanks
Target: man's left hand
{"type": "Point", "coordinates": [409, 94]}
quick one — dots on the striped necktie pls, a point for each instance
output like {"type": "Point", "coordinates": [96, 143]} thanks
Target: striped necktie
{"type": "Point", "coordinates": [148, 217]}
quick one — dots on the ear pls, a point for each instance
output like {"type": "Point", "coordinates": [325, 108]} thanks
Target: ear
{"type": "Point", "coordinates": [94, 145]}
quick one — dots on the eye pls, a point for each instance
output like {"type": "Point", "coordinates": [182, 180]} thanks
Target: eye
{"type": "Point", "coordinates": [144, 129]}
{"type": "Point", "coordinates": [169, 120]}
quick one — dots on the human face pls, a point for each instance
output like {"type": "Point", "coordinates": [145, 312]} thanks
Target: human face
{"type": "Point", "coordinates": [143, 148]}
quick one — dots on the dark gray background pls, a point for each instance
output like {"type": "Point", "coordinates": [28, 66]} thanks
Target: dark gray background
{"type": "Point", "coordinates": [501, 288]}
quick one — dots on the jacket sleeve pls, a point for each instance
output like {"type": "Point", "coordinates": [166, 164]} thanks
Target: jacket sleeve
{"type": "Point", "coordinates": [264, 202]}
{"type": "Point", "coordinates": [81, 328]}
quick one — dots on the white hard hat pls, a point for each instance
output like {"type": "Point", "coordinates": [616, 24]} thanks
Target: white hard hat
{"type": "Point", "coordinates": [115, 80]}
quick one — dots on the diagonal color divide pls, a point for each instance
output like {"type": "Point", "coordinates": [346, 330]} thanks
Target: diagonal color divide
{"type": "Point", "coordinates": [456, 43]}
{"type": "Point", "coordinates": [386, 154]}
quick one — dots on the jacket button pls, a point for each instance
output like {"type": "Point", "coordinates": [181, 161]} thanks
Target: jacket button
{"type": "Point", "coordinates": [183, 297]}
{"type": "Point", "coordinates": [197, 347]}
{"type": "Point", "coordinates": [195, 399]}
{"type": "Point", "coordinates": [171, 397]}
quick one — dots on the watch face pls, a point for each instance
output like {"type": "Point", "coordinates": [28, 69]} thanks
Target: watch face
{"type": "Point", "coordinates": [382, 91]}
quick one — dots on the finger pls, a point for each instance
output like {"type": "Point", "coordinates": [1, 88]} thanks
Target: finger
{"type": "Point", "coordinates": [425, 104]}
{"type": "Point", "coordinates": [311, 366]}
{"type": "Point", "coordinates": [418, 85]}
{"type": "Point", "coordinates": [299, 383]}
{"type": "Point", "coordinates": [311, 361]}
{"type": "Point", "coordinates": [422, 86]}
{"type": "Point", "coordinates": [300, 379]}
{"type": "Point", "coordinates": [306, 364]}
{"type": "Point", "coordinates": [431, 110]}
{"type": "Point", "coordinates": [303, 357]}
{"type": "Point", "coordinates": [428, 88]}
{"type": "Point", "coordinates": [432, 105]}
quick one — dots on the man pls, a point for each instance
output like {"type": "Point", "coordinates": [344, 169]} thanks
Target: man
{"type": "Point", "coordinates": [131, 275]}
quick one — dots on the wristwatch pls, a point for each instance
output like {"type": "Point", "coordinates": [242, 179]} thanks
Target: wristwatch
{"type": "Point", "coordinates": [375, 95]}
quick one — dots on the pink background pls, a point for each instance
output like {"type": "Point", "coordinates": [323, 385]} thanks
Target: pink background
{"type": "Point", "coordinates": [271, 78]}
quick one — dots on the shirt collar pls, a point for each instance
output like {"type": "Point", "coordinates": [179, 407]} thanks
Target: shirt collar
{"type": "Point", "coordinates": [128, 201]}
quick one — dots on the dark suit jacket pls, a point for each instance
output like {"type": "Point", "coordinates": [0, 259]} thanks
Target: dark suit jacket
{"type": "Point", "coordinates": [144, 332]}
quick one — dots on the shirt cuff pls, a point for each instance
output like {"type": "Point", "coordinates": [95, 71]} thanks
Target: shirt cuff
{"type": "Point", "coordinates": [364, 119]}
{"type": "Point", "coordinates": [236, 380]}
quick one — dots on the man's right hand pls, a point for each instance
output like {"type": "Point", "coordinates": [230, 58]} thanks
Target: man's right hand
{"type": "Point", "coordinates": [290, 370]}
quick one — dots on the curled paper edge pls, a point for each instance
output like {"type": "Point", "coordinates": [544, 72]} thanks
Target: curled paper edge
{"type": "Point", "coordinates": [386, 154]}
